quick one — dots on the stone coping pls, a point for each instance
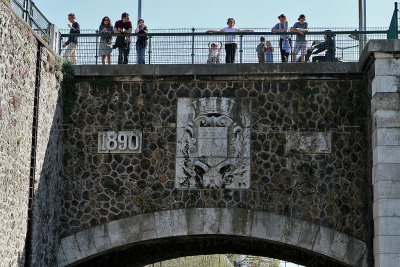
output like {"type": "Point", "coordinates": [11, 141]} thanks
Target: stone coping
{"type": "Point", "coordinates": [287, 71]}
{"type": "Point", "coordinates": [261, 225]}
{"type": "Point", "coordinates": [380, 46]}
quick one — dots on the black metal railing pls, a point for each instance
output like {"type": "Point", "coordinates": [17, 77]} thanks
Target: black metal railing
{"type": "Point", "coordinates": [393, 32]}
{"type": "Point", "coordinates": [32, 15]}
{"type": "Point", "coordinates": [192, 47]}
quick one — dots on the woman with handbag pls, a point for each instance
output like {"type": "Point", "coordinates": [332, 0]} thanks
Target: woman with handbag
{"type": "Point", "coordinates": [105, 29]}
{"type": "Point", "coordinates": [141, 42]}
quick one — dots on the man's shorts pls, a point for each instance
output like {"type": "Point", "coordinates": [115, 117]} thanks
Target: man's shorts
{"type": "Point", "coordinates": [300, 46]}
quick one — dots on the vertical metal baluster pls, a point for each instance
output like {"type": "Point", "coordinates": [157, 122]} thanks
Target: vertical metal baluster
{"type": "Point", "coordinates": [193, 29]}
{"type": "Point", "coordinates": [149, 49]}
{"type": "Point", "coordinates": [59, 45]}
{"type": "Point", "coordinates": [241, 48]}
{"type": "Point", "coordinates": [396, 11]}
{"type": "Point", "coordinates": [97, 55]}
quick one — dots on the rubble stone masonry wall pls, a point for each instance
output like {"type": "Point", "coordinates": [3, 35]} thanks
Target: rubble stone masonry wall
{"type": "Point", "coordinates": [308, 143]}
{"type": "Point", "coordinates": [18, 59]}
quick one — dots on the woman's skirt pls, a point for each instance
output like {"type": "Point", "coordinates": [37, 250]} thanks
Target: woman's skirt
{"type": "Point", "coordinates": [105, 47]}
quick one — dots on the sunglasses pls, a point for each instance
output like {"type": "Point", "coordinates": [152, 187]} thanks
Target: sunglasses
{"type": "Point", "coordinates": [106, 20]}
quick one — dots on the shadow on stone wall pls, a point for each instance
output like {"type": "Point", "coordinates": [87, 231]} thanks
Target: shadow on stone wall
{"type": "Point", "coordinates": [48, 186]}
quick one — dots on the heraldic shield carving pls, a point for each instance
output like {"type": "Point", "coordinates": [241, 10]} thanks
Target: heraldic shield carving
{"type": "Point", "coordinates": [213, 143]}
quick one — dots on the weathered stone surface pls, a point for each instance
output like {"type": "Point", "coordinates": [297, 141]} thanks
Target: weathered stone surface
{"type": "Point", "coordinates": [234, 224]}
{"type": "Point", "coordinates": [384, 84]}
{"type": "Point", "coordinates": [386, 244]}
{"type": "Point", "coordinates": [18, 59]}
{"type": "Point", "coordinates": [387, 259]}
{"type": "Point", "coordinates": [386, 208]}
{"type": "Point", "coordinates": [387, 226]}
{"type": "Point", "coordinates": [386, 154]}
{"type": "Point", "coordinates": [101, 237]}
{"type": "Point", "coordinates": [386, 137]}
{"type": "Point", "coordinates": [85, 242]}
{"type": "Point", "coordinates": [387, 189]}
{"type": "Point", "coordinates": [308, 143]}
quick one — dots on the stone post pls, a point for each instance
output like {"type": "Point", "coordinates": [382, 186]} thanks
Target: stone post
{"type": "Point", "coordinates": [382, 63]}
{"type": "Point", "coordinates": [54, 38]}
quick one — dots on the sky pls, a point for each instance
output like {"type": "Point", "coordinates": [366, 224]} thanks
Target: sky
{"type": "Point", "coordinates": [168, 14]}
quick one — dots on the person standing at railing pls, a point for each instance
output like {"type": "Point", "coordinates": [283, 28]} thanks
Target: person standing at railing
{"type": "Point", "coordinates": [284, 40]}
{"type": "Point", "coordinates": [123, 26]}
{"type": "Point", "coordinates": [300, 27]}
{"type": "Point", "coordinates": [230, 40]}
{"type": "Point", "coordinates": [72, 43]}
{"type": "Point", "coordinates": [141, 42]}
{"type": "Point", "coordinates": [105, 29]}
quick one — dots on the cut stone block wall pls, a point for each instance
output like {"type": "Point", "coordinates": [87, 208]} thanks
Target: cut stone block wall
{"type": "Point", "coordinates": [384, 73]}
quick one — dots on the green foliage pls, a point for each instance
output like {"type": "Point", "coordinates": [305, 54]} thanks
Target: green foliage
{"type": "Point", "coordinates": [194, 195]}
{"type": "Point", "coordinates": [115, 188]}
{"type": "Point", "coordinates": [69, 92]}
{"type": "Point", "coordinates": [101, 84]}
{"type": "Point", "coordinates": [46, 38]}
{"type": "Point", "coordinates": [18, 141]}
{"type": "Point", "coordinates": [307, 91]}
{"type": "Point", "coordinates": [283, 140]}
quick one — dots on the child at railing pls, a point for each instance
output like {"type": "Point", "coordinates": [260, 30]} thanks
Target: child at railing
{"type": "Point", "coordinates": [214, 53]}
{"type": "Point", "coordinates": [269, 58]}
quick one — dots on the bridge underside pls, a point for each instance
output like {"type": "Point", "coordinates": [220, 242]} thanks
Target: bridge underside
{"type": "Point", "coordinates": [153, 251]}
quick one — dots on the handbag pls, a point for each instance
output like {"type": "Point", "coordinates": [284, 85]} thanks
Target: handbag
{"type": "Point", "coordinates": [121, 42]}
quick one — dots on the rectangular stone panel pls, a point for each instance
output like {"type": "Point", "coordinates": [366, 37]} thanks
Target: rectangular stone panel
{"type": "Point", "coordinates": [308, 143]}
{"type": "Point", "coordinates": [119, 142]}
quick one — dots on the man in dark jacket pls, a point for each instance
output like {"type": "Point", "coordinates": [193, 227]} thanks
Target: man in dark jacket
{"type": "Point", "coordinates": [72, 43]}
{"type": "Point", "coordinates": [328, 45]}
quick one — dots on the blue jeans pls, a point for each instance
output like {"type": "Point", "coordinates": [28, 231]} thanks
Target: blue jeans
{"type": "Point", "coordinates": [123, 54]}
{"type": "Point", "coordinates": [140, 51]}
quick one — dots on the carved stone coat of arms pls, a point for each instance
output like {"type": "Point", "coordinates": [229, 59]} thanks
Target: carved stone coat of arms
{"type": "Point", "coordinates": [213, 143]}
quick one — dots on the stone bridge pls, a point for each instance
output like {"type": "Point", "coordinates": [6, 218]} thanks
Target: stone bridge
{"type": "Point", "coordinates": [268, 160]}
{"type": "Point", "coordinates": [299, 162]}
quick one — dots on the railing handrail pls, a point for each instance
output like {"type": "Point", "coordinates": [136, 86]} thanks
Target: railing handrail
{"type": "Point", "coordinates": [218, 33]}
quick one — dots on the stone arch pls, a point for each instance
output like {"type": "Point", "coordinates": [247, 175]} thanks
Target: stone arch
{"type": "Point", "coordinates": [245, 227]}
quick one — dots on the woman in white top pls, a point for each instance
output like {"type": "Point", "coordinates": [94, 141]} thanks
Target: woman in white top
{"type": "Point", "coordinates": [284, 40]}
{"type": "Point", "coordinates": [230, 40]}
